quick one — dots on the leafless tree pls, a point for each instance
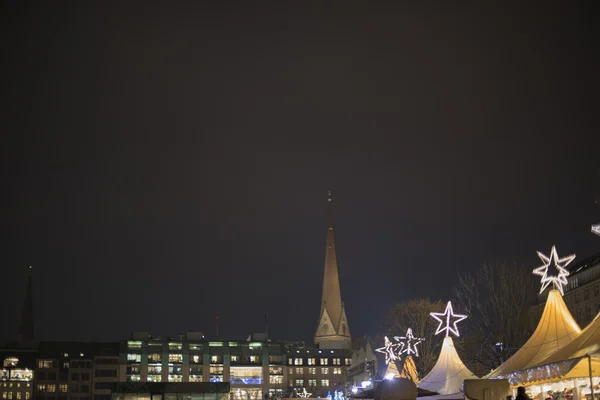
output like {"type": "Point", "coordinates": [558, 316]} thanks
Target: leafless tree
{"type": "Point", "coordinates": [496, 298]}
{"type": "Point", "coordinates": [415, 314]}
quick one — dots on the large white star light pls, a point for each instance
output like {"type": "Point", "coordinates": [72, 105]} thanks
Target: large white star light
{"type": "Point", "coordinates": [560, 263]}
{"type": "Point", "coordinates": [445, 320]}
{"type": "Point", "coordinates": [390, 350]}
{"type": "Point", "coordinates": [409, 343]}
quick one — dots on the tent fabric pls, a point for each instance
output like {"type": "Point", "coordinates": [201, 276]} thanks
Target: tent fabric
{"type": "Point", "coordinates": [588, 342]}
{"type": "Point", "coordinates": [409, 370]}
{"type": "Point", "coordinates": [571, 361]}
{"type": "Point", "coordinates": [554, 331]}
{"type": "Point", "coordinates": [448, 374]}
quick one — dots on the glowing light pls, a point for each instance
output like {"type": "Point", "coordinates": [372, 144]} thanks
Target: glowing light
{"type": "Point", "coordinates": [448, 314]}
{"type": "Point", "coordinates": [596, 229]}
{"type": "Point", "coordinates": [338, 395]}
{"type": "Point", "coordinates": [390, 350]}
{"type": "Point", "coordinates": [365, 384]}
{"type": "Point", "coordinates": [560, 263]}
{"type": "Point", "coordinates": [389, 376]}
{"type": "Point", "coordinates": [354, 389]}
{"type": "Point", "coordinates": [304, 394]}
{"type": "Point", "coordinates": [409, 343]}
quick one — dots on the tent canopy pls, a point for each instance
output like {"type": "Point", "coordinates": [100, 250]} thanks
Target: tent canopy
{"type": "Point", "coordinates": [448, 374]}
{"type": "Point", "coordinates": [554, 331]}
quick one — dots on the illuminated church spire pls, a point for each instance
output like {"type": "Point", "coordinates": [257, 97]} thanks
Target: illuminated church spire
{"type": "Point", "coordinates": [333, 330]}
{"type": "Point", "coordinates": [26, 328]}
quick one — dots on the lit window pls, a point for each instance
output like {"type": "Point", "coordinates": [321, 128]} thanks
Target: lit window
{"type": "Point", "coordinates": [196, 359]}
{"type": "Point", "coordinates": [154, 358]}
{"type": "Point", "coordinates": [4, 395]}
{"type": "Point", "coordinates": [254, 359]}
{"type": "Point", "coordinates": [324, 361]}
{"type": "Point", "coordinates": [175, 346]}
{"type": "Point", "coordinates": [81, 355]}
{"type": "Point", "coordinates": [11, 361]}
{"type": "Point", "coordinates": [348, 361]}
{"type": "Point", "coordinates": [337, 371]}
{"type": "Point", "coordinates": [311, 361]}
{"type": "Point", "coordinates": [324, 371]}
{"type": "Point", "coordinates": [52, 388]}
{"type": "Point", "coordinates": [10, 395]}
{"type": "Point", "coordinates": [214, 359]}
{"type": "Point", "coordinates": [234, 358]}
{"type": "Point", "coordinates": [154, 378]}
{"type": "Point", "coordinates": [175, 358]}
{"type": "Point", "coordinates": [299, 371]}
{"type": "Point", "coordinates": [324, 382]}
{"type": "Point", "coordinates": [45, 364]}
{"type": "Point", "coordinates": [27, 395]}
{"type": "Point", "coordinates": [276, 379]}
{"type": "Point", "coordinates": [62, 388]}
{"type": "Point", "coordinates": [312, 382]}
{"type": "Point", "coordinates": [195, 378]}
{"type": "Point", "coordinates": [18, 395]}
{"type": "Point", "coordinates": [336, 361]}
{"type": "Point", "coordinates": [290, 361]}
{"type": "Point", "coordinates": [175, 378]}
{"type": "Point", "coordinates": [299, 382]}
{"type": "Point", "coordinates": [297, 361]}
{"type": "Point", "coordinates": [133, 345]}
{"type": "Point", "coordinates": [41, 387]}
{"type": "Point", "coordinates": [312, 371]}
{"type": "Point", "coordinates": [134, 357]}
{"type": "Point", "coordinates": [276, 370]}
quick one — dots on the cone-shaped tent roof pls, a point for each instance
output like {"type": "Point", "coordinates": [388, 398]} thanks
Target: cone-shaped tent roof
{"type": "Point", "coordinates": [554, 331]}
{"type": "Point", "coordinates": [571, 361]}
{"type": "Point", "coordinates": [587, 342]}
{"type": "Point", "coordinates": [448, 373]}
{"type": "Point", "coordinates": [409, 369]}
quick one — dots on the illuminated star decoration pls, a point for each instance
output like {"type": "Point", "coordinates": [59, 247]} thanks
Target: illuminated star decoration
{"type": "Point", "coordinates": [560, 263]}
{"type": "Point", "coordinates": [390, 350]}
{"type": "Point", "coordinates": [304, 394]}
{"type": "Point", "coordinates": [447, 315]}
{"type": "Point", "coordinates": [596, 229]}
{"type": "Point", "coordinates": [409, 343]}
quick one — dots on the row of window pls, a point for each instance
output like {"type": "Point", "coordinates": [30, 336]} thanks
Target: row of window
{"type": "Point", "coordinates": [16, 396]}
{"type": "Point", "coordinates": [196, 359]}
{"type": "Point", "coordinates": [47, 364]}
{"type": "Point", "coordinates": [16, 384]}
{"type": "Point", "coordinates": [322, 361]}
{"type": "Point", "coordinates": [51, 388]}
{"type": "Point", "coordinates": [311, 382]}
{"type": "Point", "coordinates": [313, 371]}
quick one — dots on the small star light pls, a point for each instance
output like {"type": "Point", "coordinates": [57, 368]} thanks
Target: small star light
{"type": "Point", "coordinates": [304, 394]}
{"type": "Point", "coordinates": [448, 314]}
{"type": "Point", "coordinates": [409, 343]}
{"type": "Point", "coordinates": [389, 349]}
{"type": "Point", "coordinates": [560, 263]}
{"type": "Point", "coordinates": [596, 229]}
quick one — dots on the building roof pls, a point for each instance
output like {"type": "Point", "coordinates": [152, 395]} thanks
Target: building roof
{"type": "Point", "coordinates": [584, 264]}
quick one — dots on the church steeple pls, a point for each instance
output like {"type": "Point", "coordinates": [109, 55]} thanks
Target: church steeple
{"type": "Point", "coordinates": [26, 328]}
{"type": "Point", "coordinates": [332, 331]}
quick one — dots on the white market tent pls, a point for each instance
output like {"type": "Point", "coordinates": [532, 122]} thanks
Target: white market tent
{"type": "Point", "coordinates": [574, 360]}
{"type": "Point", "coordinates": [556, 329]}
{"type": "Point", "coordinates": [447, 375]}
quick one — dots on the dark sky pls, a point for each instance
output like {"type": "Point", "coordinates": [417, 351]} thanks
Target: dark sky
{"type": "Point", "coordinates": [161, 164]}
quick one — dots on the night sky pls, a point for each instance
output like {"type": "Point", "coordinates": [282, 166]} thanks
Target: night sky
{"type": "Point", "coordinates": [162, 164]}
